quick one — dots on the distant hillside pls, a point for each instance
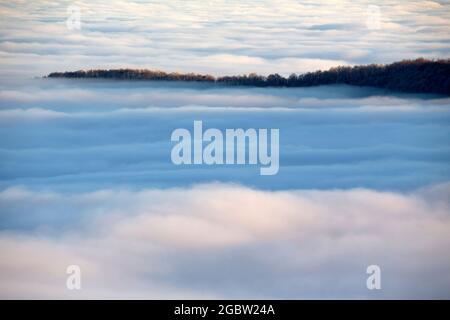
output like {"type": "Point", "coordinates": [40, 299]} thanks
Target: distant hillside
{"type": "Point", "coordinates": [418, 76]}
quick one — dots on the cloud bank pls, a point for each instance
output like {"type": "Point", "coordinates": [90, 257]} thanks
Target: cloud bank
{"type": "Point", "coordinates": [88, 135]}
{"type": "Point", "coordinates": [218, 37]}
{"type": "Point", "coordinates": [227, 241]}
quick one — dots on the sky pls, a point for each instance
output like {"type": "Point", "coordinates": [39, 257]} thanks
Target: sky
{"type": "Point", "coordinates": [218, 37]}
{"type": "Point", "coordinates": [86, 177]}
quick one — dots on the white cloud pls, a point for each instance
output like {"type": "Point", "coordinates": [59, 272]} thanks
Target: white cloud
{"type": "Point", "coordinates": [177, 242]}
{"type": "Point", "coordinates": [223, 37]}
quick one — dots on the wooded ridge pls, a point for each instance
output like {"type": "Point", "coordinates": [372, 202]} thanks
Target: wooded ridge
{"type": "Point", "coordinates": [418, 76]}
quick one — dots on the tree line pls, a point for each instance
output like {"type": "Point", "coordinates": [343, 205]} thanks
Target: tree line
{"type": "Point", "coordinates": [419, 75]}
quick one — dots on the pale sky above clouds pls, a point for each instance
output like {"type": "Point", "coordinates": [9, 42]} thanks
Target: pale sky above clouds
{"type": "Point", "coordinates": [218, 37]}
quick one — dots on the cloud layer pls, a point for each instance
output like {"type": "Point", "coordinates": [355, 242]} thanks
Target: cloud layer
{"type": "Point", "coordinates": [86, 176]}
{"type": "Point", "coordinates": [218, 37]}
{"type": "Point", "coordinates": [85, 135]}
{"type": "Point", "coordinates": [228, 241]}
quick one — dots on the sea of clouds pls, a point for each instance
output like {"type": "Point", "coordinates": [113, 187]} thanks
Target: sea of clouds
{"type": "Point", "coordinates": [86, 176]}
{"type": "Point", "coordinates": [87, 179]}
{"type": "Point", "coordinates": [85, 135]}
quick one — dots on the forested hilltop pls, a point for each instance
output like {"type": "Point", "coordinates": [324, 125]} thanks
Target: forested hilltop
{"type": "Point", "coordinates": [419, 76]}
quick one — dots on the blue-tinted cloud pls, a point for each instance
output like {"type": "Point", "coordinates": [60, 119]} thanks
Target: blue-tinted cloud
{"type": "Point", "coordinates": [83, 135]}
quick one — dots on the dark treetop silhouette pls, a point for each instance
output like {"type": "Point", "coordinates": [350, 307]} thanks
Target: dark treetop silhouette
{"type": "Point", "coordinates": [418, 76]}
